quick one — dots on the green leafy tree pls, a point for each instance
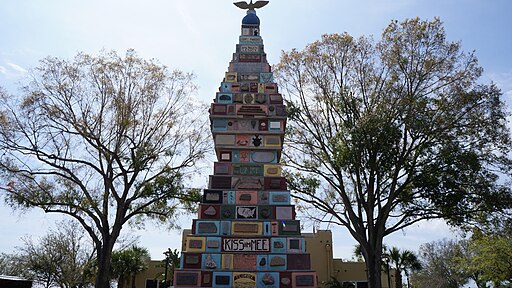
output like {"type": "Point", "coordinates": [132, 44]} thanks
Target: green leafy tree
{"type": "Point", "coordinates": [358, 253]}
{"type": "Point", "coordinates": [172, 261]}
{"type": "Point", "coordinates": [489, 259]}
{"type": "Point", "coordinates": [411, 264]}
{"type": "Point", "coordinates": [127, 263]}
{"type": "Point", "coordinates": [107, 140]}
{"type": "Point", "coordinates": [439, 266]}
{"type": "Point", "coordinates": [385, 134]}
{"type": "Point", "coordinates": [335, 283]}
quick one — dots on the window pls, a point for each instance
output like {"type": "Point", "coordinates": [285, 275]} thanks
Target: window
{"type": "Point", "coordinates": [151, 283]}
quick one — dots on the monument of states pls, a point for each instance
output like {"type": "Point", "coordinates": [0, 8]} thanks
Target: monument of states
{"type": "Point", "coordinates": [246, 234]}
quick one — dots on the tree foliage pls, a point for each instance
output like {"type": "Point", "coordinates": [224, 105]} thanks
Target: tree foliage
{"type": "Point", "coordinates": [488, 258]}
{"type": "Point", "coordinates": [172, 262]}
{"type": "Point", "coordinates": [127, 263]}
{"type": "Point", "coordinates": [107, 140]}
{"type": "Point", "coordinates": [8, 265]}
{"type": "Point", "coordinates": [483, 258]}
{"type": "Point", "coordinates": [403, 261]}
{"type": "Point", "coordinates": [440, 267]}
{"type": "Point", "coordinates": [384, 134]}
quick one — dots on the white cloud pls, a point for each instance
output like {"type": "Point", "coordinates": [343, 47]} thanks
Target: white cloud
{"type": "Point", "coordinates": [3, 70]}
{"type": "Point", "coordinates": [17, 68]}
{"type": "Point", "coordinates": [423, 232]}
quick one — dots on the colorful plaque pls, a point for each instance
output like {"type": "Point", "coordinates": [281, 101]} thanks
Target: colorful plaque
{"type": "Point", "coordinates": [244, 280]}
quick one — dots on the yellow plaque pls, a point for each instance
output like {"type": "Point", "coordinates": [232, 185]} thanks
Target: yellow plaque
{"type": "Point", "coordinates": [261, 88]}
{"type": "Point", "coordinates": [231, 77]}
{"type": "Point", "coordinates": [195, 244]}
{"type": "Point", "coordinates": [272, 170]}
{"type": "Point", "coordinates": [244, 280]}
{"type": "Point", "coordinates": [273, 140]}
{"type": "Point", "coordinates": [227, 261]}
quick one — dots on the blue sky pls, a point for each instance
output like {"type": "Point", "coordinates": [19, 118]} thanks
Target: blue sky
{"type": "Point", "coordinates": [200, 36]}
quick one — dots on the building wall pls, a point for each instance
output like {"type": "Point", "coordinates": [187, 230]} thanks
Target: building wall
{"type": "Point", "coordinates": [14, 282]}
{"type": "Point", "coordinates": [155, 272]}
{"type": "Point", "coordinates": [319, 245]}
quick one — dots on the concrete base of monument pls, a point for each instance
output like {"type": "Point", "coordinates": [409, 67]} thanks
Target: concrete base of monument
{"type": "Point", "coordinates": [245, 279]}
{"type": "Point", "coordinates": [318, 244]}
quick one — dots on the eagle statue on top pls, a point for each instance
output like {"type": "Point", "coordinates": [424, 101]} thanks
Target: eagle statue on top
{"type": "Point", "coordinates": [250, 6]}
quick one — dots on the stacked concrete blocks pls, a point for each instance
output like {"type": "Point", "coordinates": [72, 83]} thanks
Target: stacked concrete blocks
{"type": "Point", "coordinates": [246, 234]}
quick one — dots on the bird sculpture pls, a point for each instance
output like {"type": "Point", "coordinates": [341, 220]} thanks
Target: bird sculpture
{"type": "Point", "coordinates": [250, 6]}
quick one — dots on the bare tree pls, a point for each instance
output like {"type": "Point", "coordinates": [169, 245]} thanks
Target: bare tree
{"type": "Point", "coordinates": [384, 134]}
{"type": "Point", "coordinates": [104, 139]}
{"type": "Point", "coordinates": [439, 268]}
{"type": "Point", "coordinates": [61, 258]}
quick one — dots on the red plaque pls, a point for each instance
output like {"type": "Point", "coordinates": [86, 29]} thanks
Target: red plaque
{"type": "Point", "coordinates": [244, 261]}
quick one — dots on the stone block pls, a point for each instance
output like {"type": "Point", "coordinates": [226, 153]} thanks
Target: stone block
{"type": "Point", "coordinates": [244, 280]}
{"type": "Point", "coordinates": [298, 262]}
{"type": "Point", "coordinates": [267, 280]}
{"type": "Point", "coordinates": [303, 279]}
{"type": "Point", "coordinates": [225, 140]}
{"type": "Point", "coordinates": [195, 243]}
{"type": "Point", "coordinates": [206, 279]}
{"type": "Point", "coordinates": [222, 279]}
{"type": "Point", "coordinates": [246, 212]}
{"type": "Point", "coordinates": [249, 228]}
{"type": "Point", "coordinates": [284, 213]}
{"type": "Point", "coordinates": [220, 168]}
{"type": "Point", "coordinates": [207, 227]}
{"type": "Point", "coordinates": [212, 196]}
{"type": "Point", "coordinates": [265, 212]}
{"type": "Point", "coordinates": [244, 262]}
{"type": "Point", "coordinates": [186, 278]}
{"type": "Point", "coordinates": [263, 197]}
{"type": "Point", "coordinates": [285, 280]}
{"type": "Point", "coordinates": [227, 212]}
{"type": "Point", "coordinates": [277, 262]}
{"type": "Point", "coordinates": [264, 157]}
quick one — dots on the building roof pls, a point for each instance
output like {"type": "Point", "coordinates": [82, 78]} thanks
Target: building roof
{"type": "Point", "coordinates": [13, 278]}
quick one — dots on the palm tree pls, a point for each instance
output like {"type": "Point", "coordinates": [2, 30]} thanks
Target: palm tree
{"type": "Point", "coordinates": [403, 260]}
{"type": "Point", "coordinates": [411, 264]}
{"type": "Point", "coordinates": [127, 263]}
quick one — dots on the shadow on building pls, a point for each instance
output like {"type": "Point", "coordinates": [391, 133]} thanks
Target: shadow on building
{"type": "Point", "coordinates": [14, 282]}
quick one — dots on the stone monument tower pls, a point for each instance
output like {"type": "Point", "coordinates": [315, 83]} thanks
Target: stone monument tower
{"type": "Point", "coordinates": [246, 234]}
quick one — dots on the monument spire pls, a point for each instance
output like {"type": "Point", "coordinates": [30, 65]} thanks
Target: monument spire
{"type": "Point", "coordinates": [246, 234]}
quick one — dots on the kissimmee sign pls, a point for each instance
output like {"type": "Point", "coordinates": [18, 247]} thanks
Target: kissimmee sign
{"type": "Point", "coordinates": [246, 244]}
{"type": "Point", "coordinates": [244, 280]}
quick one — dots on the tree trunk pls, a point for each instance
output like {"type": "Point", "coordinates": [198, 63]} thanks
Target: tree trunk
{"type": "Point", "coordinates": [104, 253]}
{"type": "Point", "coordinates": [374, 272]}
{"type": "Point", "coordinates": [120, 282]}
{"type": "Point", "coordinates": [398, 278]}
{"type": "Point", "coordinates": [102, 278]}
